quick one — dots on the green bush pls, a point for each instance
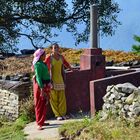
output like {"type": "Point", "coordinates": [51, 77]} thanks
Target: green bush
{"type": "Point", "coordinates": [27, 111]}
{"type": "Point", "coordinates": [136, 48]}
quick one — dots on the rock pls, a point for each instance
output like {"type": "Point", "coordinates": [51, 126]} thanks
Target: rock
{"type": "Point", "coordinates": [130, 99]}
{"type": "Point", "coordinates": [137, 110]}
{"type": "Point", "coordinates": [15, 78]}
{"type": "Point", "coordinates": [122, 110]}
{"type": "Point", "coordinates": [2, 57]}
{"type": "Point", "coordinates": [26, 75]}
{"type": "Point", "coordinates": [130, 114]}
{"type": "Point", "coordinates": [119, 106]}
{"type": "Point", "coordinates": [126, 107]}
{"type": "Point", "coordinates": [112, 96]}
{"type": "Point", "coordinates": [25, 79]}
{"type": "Point", "coordinates": [117, 96]}
{"type": "Point", "coordinates": [123, 99]}
{"type": "Point", "coordinates": [129, 63]}
{"type": "Point", "coordinates": [110, 63]}
{"type": "Point", "coordinates": [127, 88]}
{"type": "Point", "coordinates": [131, 108]}
{"type": "Point", "coordinates": [27, 51]}
{"type": "Point", "coordinates": [136, 62]}
{"type": "Point", "coordinates": [107, 96]}
{"type": "Point", "coordinates": [7, 77]}
{"type": "Point", "coordinates": [136, 104]}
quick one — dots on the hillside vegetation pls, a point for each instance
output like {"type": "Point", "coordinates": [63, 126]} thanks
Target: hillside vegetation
{"type": "Point", "coordinates": [22, 64]}
{"type": "Point", "coordinates": [92, 129]}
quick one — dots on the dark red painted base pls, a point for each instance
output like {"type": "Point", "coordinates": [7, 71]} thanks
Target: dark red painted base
{"type": "Point", "coordinates": [92, 66]}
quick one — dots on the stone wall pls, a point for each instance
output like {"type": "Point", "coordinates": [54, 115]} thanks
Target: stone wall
{"type": "Point", "coordinates": [11, 93]}
{"type": "Point", "coordinates": [122, 100]}
{"type": "Point", "coordinates": [98, 88]}
{"type": "Point", "coordinates": [9, 104]}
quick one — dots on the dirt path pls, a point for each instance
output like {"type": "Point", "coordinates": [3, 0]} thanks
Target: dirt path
{"type": "Point", "coordinates": [49, 132]}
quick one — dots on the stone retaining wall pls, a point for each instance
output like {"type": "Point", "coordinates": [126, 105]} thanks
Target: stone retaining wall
{"type": "Point", "coordinates": [98, 88]}
{"type": "Point", "coordinates": [11, 93]}
{"type": "Point", "coordinates": [9, 104]}
{"type": "Point", "coordinates": [122, 100]}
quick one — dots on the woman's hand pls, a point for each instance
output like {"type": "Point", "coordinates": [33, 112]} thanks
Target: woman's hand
{"type": "Point", "coordinates": [42, 93]}
{"type": "Point", "coordinates": [44, 96]}
{"type": "Point", "coordinates": [50, 85]}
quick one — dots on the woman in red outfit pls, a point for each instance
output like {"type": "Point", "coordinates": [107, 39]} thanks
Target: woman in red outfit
{"type": "Point", "coordinates": [41, 87]}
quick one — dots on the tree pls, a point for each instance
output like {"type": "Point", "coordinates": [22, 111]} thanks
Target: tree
{"type": "Point", "coordinates": [37, 19]}
{"type": "Point", "coordinates": [136, 48]}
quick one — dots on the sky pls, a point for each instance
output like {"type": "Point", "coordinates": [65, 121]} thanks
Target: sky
{"type": "Point", "coordinates": [123, 38]}
{"type": "Point", "coordinates": [130, 20]}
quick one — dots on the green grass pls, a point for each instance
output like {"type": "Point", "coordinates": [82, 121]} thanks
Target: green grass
{"type": "Point", "coordinates": [13, 130]}
{"type": "Point", "coordinates": [111, 129]}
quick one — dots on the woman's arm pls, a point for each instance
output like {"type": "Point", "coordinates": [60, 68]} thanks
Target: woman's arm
{"type": "Point", "coordinates": [38, 74]}
{"type": "Point", "coordinates": [66, 64]}
{"type": "Point", "coordinates": [47, 61]}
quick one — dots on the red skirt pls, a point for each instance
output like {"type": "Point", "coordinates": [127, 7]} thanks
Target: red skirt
{"type": "Point", "coordinates": [40, 102]}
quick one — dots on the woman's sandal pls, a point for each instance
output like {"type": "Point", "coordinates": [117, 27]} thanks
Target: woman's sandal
{"type": "Point", "coordinates": [46, 124]}
{"type": "Point", "coordinates": [65, 117]}
{"type": "Point", "coordinates": [39, 128]}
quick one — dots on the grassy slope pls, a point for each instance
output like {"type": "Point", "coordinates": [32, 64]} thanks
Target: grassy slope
{"type": "Point", "coordinates": [111, 129]}
{"type": "Point", "coordinates": [12, 130]}
{"type": "Point", "coordinates": [15, 65]}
